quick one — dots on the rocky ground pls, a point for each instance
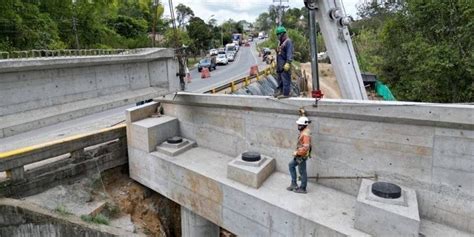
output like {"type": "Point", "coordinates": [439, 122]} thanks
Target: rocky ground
{"type": "Point", "coordinates": [118, 201]}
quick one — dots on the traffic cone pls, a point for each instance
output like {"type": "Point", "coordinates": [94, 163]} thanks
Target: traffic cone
{"type": "Point", "coordinates": [205, 73]}
{"type": "Point", "coordinates": [253, 70]}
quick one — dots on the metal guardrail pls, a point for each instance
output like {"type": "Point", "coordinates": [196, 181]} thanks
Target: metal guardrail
{"type": "Point", "coordinates": [232, 86]}
{"type": "Point", "coordinates": [13, 161]}
{"type": "Point", "coordinates": [63, 53]}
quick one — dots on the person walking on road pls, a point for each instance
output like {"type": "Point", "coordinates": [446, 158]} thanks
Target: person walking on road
{"type": "Point", "coordinates": [284, 59]}
{"type": "Point", "coordinates": [300, 156]}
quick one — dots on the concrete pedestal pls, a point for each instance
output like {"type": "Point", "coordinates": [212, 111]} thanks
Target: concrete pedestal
{"type": "Point", "coordinates": [252, 174]}
{"type": "Point", "coordinates": [387, 217]}
{"type": "Point", "coordinates": [193, 225]}
{"type": "Point", "coordinates": [149, 132]}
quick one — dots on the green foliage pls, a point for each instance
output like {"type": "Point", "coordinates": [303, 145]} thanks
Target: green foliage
{"type": "Point", "coordinates": [300, 44]}
{"type": "Point", "coordinates": [128, 26]}
{"type": "Point", "coordinates": [420, 57]}
{"type": "Point", "coordinates": [199, 31]}
{"type": "Point", "coordinates": [62, 210]}
{"type": "Point", "coordinates": [176, 38]}
{"type": "Point", "coordinates": [98, 219]}
{"type": "Point", "coordinates": [48, 24]}
{"type": "Point", "coordinates": [428, 58]}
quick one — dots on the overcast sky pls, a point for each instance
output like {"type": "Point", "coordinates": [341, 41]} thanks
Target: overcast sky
{"type": "Point", "coordinates": [240, 9]}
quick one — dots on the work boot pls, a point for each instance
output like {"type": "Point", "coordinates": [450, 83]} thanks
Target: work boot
{"type": "Point", "coordinates": [283, 96]}
{"type": "Point", "coordinates": [300, 190]}
{"type": "Point", "coordinates": [277, 93]}
{"type": "Point", "coordinates": [292, 187]}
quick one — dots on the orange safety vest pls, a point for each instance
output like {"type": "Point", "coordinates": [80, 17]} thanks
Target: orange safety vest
{"type": "Point", "coordinates": [303, 147]}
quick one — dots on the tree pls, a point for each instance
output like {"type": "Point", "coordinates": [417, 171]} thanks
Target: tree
{"type": "Point", "coordinates": [428, 58]}
{"type": "Point", "coordinates": [200, 34]}
{"type": "Point", "coordinates": [263, 22]}
{"type": "Point", "coordinates": [183, 13]}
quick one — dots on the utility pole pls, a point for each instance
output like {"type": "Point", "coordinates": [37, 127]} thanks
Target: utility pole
{"type": "Point", "coordinates": [153, 30]}
{"type": "Point", "coordinates": [74, 23]}
{"type": "Point", "coordinates": [180, 50]}
{"type": "Point", "coordinates": [281, 9]}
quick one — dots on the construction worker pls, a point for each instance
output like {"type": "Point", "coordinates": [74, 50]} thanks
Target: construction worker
{"type": "Point", "coordinates": [300, 155]}
{"type": "Point", "coordinates": [284, 59]}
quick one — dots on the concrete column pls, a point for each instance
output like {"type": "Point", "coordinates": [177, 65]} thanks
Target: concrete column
{"type": "Point", "coordinates": [193, 225]}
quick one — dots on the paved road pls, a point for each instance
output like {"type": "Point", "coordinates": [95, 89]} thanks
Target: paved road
{"type": "Point", "coordinates": [246, 57]}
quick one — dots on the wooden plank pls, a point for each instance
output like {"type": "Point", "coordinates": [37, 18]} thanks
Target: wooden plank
{"type": "Point", "coordinates": [24, 156]}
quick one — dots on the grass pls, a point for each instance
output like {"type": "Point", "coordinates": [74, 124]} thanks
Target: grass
{"type": "Point", "coordinates": [111, 210]}
{"type": "Point", "coordinates": [192, 61]}
{"type": "Point", "coordinates": [98, 219]}
{"type": "Point", "coordinates": [62, 210]}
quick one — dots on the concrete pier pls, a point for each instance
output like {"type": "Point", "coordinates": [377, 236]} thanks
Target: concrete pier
{"type": "Point", "coordinates": [193, 225]}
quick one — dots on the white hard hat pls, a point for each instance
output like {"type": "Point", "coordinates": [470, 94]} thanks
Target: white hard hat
{"type": "Point", "coordinates": [303, 121]}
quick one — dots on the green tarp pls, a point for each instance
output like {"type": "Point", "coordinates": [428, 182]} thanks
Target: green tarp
{"type": "Point", "coordinates": [383, 91]}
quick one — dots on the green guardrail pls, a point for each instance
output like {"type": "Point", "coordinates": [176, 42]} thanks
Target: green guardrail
{"type": "Point", "coordinates": [384, 91]}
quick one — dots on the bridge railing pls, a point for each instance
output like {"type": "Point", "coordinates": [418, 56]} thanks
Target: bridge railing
{"type": "Point", "coordinates": [14, 162]}
{"type": "Point", "coordinates": [63, 53]}
{"type": "Point", "coordinates": [232, 86]}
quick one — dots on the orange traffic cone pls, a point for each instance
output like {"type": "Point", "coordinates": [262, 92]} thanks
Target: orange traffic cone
{"type": "Point", "coordinates": [205, 73]}
{"type": "Point", "coordinates": [253, 70]}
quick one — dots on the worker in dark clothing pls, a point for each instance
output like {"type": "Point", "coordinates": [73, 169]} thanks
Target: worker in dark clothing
{"type": "Point", "coordinates": [284, 59]}
{"type": "Point", "coordinates": [300, 155]}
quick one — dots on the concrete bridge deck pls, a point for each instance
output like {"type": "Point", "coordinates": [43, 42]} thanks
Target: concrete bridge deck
{"type": "Point", "coordinates": [197, 180]}
{"type": "Point", "coordinates": [412, 144]}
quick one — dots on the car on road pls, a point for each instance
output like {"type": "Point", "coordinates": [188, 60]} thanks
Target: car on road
{"type": "Point", "coordinates": [213, 52]}
{"type": "Point", "coordinates": [209, 63]}
{"type": "Point", "coordinates": [222, 59]}
{"type": "Point", "coordinates": [230, 57]}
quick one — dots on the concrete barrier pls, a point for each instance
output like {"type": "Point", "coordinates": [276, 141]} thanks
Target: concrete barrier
{"type": "Point", "coordinates": [427, 147]}
{"type": "Point", "coordinates": [38, 92]}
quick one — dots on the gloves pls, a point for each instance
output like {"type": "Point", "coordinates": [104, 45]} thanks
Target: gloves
{"type": "Point", "coordinates": [286, 67]}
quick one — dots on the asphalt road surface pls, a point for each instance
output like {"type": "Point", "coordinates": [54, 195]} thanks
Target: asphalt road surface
{"type": "Point", "coordinates": [240, 67]}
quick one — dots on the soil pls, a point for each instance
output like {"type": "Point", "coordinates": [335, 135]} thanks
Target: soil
{"type": "Point", "coordinates": [327, 80]}
{"type": "Point", "coordinates": [152, 213]}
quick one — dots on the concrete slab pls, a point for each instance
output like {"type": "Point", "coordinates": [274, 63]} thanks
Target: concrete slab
{"type": "Point", "coordinates": [196, 180]}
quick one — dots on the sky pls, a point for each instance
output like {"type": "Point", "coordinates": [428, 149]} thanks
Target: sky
{"type": "Point", "coordinates": [221, 10]}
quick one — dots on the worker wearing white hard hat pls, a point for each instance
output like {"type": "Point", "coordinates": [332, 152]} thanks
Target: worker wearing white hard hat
{"type": "Point", "coordinates": [300, 156]}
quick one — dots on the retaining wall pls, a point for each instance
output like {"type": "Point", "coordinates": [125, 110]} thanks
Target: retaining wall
{"type": "Point", "coordinates": [427, 147]}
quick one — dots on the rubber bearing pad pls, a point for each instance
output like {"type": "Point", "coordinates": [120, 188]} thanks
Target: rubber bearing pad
{"type": "Point", "coordinates": [386, 190]}
{"type": "Point", "coordinates": [251, 156]}
{"type": "Point", "coordinates": [174, 140]}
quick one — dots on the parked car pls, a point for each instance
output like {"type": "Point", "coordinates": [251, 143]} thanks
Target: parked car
{"type": "Point", "coordinates": [213, 52]}
{"type": "Point", "coordinates": [230, 57]}
{"type": "Point", "coordinates": [209, 63]}
{"type": "Point", "coordinates": [222, 59]}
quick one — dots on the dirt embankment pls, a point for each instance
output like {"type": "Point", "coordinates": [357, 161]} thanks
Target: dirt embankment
{"type": "Point", "coordinates": [327, 80]}
{"type": "Point", "coordinates": [151, 213]}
